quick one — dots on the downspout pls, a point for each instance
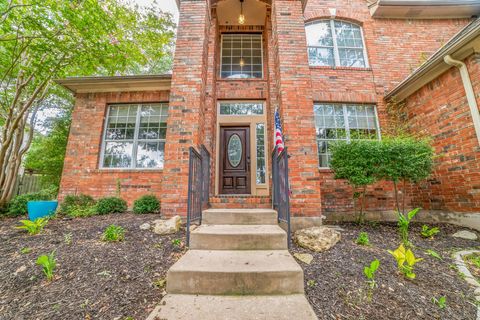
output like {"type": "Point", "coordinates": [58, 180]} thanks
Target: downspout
{"type": "Point", "coordinates": [467, 84]}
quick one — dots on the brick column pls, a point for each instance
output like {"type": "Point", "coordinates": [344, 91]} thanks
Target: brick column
{"type": "Point", "coordinates": [185, 117]}
{"type": "Point", "coordinates": [296, 106]}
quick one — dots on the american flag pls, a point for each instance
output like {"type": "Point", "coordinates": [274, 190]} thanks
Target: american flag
{"type": "Point", "coordinates": [278, 133]}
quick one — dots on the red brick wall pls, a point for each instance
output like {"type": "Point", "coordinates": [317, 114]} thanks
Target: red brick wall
{"type": "Point", "coordinates": [440, 110]}
{"type": "Point", "coordinates": [81, 173]}
{"type": "Point", "coordinates": [395, 48]}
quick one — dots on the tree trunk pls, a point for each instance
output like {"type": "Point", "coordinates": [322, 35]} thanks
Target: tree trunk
{"type": "Point", "coordinates": [404, 195]}
{"type": "Point", "coordinates": [396, 195]}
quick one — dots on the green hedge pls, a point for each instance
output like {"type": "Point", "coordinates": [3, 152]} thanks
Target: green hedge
{"type": "Point", "coordinates": [111, 205]}
{"type": "Point", "coordinates": [146, 204]}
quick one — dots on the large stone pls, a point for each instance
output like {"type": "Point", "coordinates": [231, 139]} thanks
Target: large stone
{"type": "Point", "coordinates": [169, 226]}
{"type": "Point", "coordinates": [145, 226]}
{"type": "Point", "coordinates": [465, 234]}
{"type": "Point", "coordinates": [317, 239]}
{"type": "Point", "coordinates": [304, 257]}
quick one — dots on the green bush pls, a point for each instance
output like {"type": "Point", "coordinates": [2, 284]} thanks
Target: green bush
{"type": "Point", "coordinates": [18, 205]}
{"type": "Point", "coordinates": [111, 205]}
{"type": "Point", "coordinates": [78, 206]}
{"type": "Point", "coordinates": [146, 204]}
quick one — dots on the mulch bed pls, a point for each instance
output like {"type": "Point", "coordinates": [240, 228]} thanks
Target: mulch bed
{"type": "Point", "coordinates": [340, 291]}
{"type": "Point", "coordinates": [94, 279]}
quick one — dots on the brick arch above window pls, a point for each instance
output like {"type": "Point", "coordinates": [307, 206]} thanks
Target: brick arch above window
{"type": "Point", "coordinates": [336, 43]}
{"type": "Point", "coordinates": [353, 16]}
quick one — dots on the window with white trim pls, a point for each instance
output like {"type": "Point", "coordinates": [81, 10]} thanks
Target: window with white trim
{"type": "Point", "coordinates": [261, 161]}
{"type": "Point", "coordinates": [241, 56]}
{"type": "Point", "coordinates": [335, 43]}
{"type": "Point", "coordinates": [135, 136]}
{"type": "Point", "coordinates": [337, 122]}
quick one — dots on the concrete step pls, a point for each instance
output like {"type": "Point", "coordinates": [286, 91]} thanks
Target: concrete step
{"type": "Point", "coordinates": [239, 216]}
{"type": "Point", "coordinates": [240, 272]}
{"type": "Point", "coordinates": [238, 237]}
{"type": "Point", "coordinates": [193, 307]}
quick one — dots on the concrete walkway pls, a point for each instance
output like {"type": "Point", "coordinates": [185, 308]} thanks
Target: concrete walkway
{"type": "Point", "coordinates": [238, 267]}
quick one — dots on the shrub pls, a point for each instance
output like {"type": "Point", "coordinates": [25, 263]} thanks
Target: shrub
{"type": "Point", "coordinates": [113, 233]}
{"type": "Point", "coordinates": [18, 205]}
{"type": "Point", "coordinates": [111, 205]}
{"type": "Point", "coordinates": [33, 227]}
{"type": "Point", "coordinates": [363, 239]}
{"type": "Point", "coordinates": [48, 262]}
{"type": "Point", "coordinates": [81, 205]}
{"type": "Point", "coordinates": [146, 204]}
{"type": "Point", "coordinates": [405, 159]}
{"type": "Point", "coordinates": [357, 162]}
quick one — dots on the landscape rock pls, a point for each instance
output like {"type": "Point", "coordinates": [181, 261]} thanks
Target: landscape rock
{"type": "Point", "coordinates": [465, 234]}
{"type": "Point", "coordinates": [304, 257]}
{"type": "Point", "coordinates": [145, 226]}
{"type": "Point", "coordinates": [317, 239]}
{"type": "Point", "coordinates": [169, 226]}
{"type": "Point", "coordinates": [21, 269]}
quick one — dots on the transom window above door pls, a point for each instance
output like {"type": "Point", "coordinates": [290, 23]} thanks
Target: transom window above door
{"type": "Point", "coordinates": [135, 136]}
{"type": "Point", "coordinates": [335, 43]}
{"type": "Point", "coordinates": [241, 108]}
{"type": "Point", "coordinates": [241, 56]}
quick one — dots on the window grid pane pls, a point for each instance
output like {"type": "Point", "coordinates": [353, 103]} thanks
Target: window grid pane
{"type": "Point", "coordinates": [135, 136]}
{"type": "Point", "coordinates": [241, 56]}
{"type": "Point", "coordinates": [341, 122]}
{"type": "Point", "coordinates": [335, 43]}
{"type": "Point", "coordinates": [261, 165]}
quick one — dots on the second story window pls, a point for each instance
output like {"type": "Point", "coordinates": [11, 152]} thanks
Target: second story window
{"type": "Point", "coordinates": [241, 56]}
{"type": "Point", "coordinates": [335, 43]}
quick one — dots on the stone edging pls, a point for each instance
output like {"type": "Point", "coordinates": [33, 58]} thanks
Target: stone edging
{"type": "Point", "coordinates": [469, 278]}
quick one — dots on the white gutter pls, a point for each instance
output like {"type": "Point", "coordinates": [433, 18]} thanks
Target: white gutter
{"type": "Point", "coordinates": [467, 84]}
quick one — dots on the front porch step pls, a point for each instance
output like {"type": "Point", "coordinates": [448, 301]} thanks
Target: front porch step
{"type": "Point", "coordinates": [238, 237]}
{"type": "Point", "coordinates": [242, 272]}
{"type": "Point", "coordinates": [193, 307]}
{"type": "Point", "coordinates": [240, 216]}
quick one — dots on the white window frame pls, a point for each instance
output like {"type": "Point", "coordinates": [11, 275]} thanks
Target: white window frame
{"type": "Point", "coordinates": [134, 141]}
{"type": "Point", "coordinates": [221, 57]}
{"type": "Point", "coordinates": [336, 53]}
{"type": "Point", "coordinates": [347, 125]}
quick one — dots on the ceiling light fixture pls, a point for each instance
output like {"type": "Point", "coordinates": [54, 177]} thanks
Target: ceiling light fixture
{"type": "Point", "coordinates": [241, 17]}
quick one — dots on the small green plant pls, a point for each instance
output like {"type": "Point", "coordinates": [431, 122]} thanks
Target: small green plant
{"type": "Point", "coordinates": [33, 227]}
{"type": "Point", "coordinates": [404, 224]}
{"type": "Point", "coordinates": [160, 283]}
{"type": "Point", "coordinates": [440, 302]}
{"type": "Point", "coordinates": [311, 283]}
{"type": "Point", "coordinates": [67, 238]}
{"type": "Point", "coordinates": [113, 233]}
{"type": "Point", "coordinates": [177, 243]}
{"type": "Point", "coordinates": [434, 254]}
{"type": "Point", "coordinates": [474, 259]}
{"type": "Point", "coordinates": [111, 205]}
{"type": "Point", "coordinates": [363, 239]}
{"type": "Point", "coordinates": [26, 250]}
{"type": "Point", "coordinates": [369, 272]}
{"type": "Point", "coordinates": [405, 261]}
{"type": "Point", "coordinates": [81, 205]}
{"type": "Point", "coordinates": [428, 232]}
{"type": "Point", "coordinates": [146, 204]}
{"type": "Point", "coordinates": [48, 263]}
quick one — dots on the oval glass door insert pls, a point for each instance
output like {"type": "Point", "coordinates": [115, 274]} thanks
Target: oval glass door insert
{"type": "Point", "coordinates": [235, 150]}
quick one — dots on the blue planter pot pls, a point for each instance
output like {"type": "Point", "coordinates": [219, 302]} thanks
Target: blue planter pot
{"type": "Point", "coordinates": [40, 209]}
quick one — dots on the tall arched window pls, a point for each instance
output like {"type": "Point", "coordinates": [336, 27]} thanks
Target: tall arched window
{"type": "Point", "coordinates": [335, 43]}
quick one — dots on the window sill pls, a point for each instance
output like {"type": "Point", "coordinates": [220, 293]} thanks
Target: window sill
{"type": "Point", "coordinates": [325, 170]}
{"type": "Point", "coordinates": [340, 68]}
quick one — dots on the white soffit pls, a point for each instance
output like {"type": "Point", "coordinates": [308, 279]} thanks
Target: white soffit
{"type": "Point", "coordinates": [425, 9]}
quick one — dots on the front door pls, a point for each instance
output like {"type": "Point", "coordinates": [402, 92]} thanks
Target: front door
{"type": "Point", "coordinates": [235, 160]}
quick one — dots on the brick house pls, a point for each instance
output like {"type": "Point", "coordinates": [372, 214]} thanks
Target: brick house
{"type": "Point", "coordinates": [329, 68]}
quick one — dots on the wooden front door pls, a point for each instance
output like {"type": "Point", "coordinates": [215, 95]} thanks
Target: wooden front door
{"type": "Point", "coordinates": [235, 160]}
